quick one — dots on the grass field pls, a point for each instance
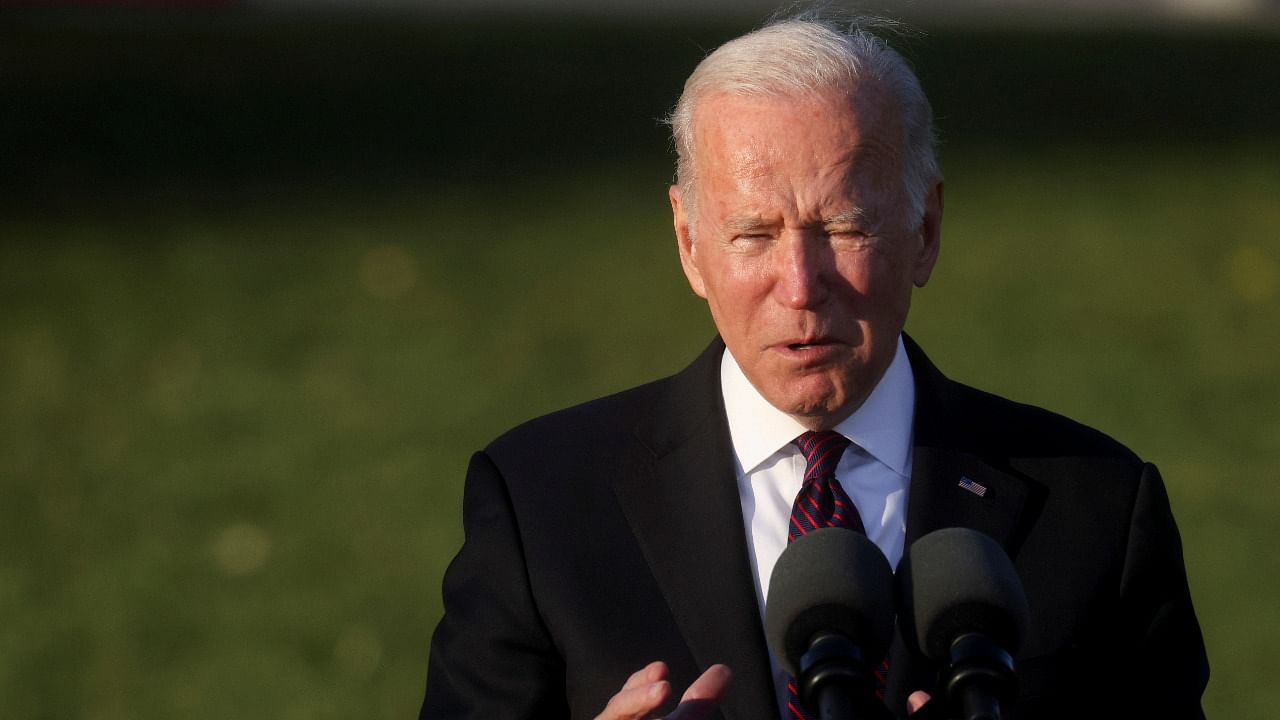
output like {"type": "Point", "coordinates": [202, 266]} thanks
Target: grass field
{"type": "Point", "coordinates": [234, 438]}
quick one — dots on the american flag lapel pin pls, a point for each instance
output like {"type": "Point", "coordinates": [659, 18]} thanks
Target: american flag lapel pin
{"type": "Point", "coordinates": [973, 487]}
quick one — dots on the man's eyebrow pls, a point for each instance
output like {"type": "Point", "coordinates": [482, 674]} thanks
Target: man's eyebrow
{"type": "Point", "coordinates": [854, 216]}
{"type": "Point", "coordinates": [744, 223]}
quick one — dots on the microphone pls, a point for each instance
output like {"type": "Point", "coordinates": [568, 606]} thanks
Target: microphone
{"type": "Point", "coordinates": [829, 619]}
{"type": "Point", "coordinates": [965, 607]}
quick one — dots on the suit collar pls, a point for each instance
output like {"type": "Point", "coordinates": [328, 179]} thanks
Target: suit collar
{"type": "Point", "coordinates": [952, 485]}
{"type": "Point", "coordinates": [686, 515]}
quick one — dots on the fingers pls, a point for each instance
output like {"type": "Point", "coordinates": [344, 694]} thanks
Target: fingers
{"type": "Point", "coordinates": [647, 689]}
{"type": "Point", "coordinates": [703, 697]}
{"type": "Point", "coordinates": [651, 673]}
{"type": "Point", "coordinates": [640, 695]}
{"type": "Point", "coordinates": [710, 685]}
{"type": "Point", "coordinates": [916, 700]}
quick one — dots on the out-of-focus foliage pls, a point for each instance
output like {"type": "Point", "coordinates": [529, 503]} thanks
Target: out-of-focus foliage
{"type": "Point", "coordinates": [240, 379]}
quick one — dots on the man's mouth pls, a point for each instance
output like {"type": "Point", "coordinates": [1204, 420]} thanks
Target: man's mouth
{"type": "Point", "coordinates": [809, 343]}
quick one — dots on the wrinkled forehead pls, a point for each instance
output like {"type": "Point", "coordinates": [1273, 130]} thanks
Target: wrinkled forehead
{"type": "Point", "coordinates": [743, 136]}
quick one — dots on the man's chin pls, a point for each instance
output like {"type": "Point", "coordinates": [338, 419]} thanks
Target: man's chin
{"type": "Point", "coordinates": [815, 413]}
{"type": "Point", "coordinates": [817, 403]}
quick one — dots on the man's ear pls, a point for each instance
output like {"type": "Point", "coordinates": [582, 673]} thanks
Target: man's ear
{"type": "Point", "coordinates": [930, 237]}
{"type": "Point", "coordinates": [684, 242]}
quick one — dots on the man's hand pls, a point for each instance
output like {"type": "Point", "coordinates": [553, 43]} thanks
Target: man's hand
{"type": "Point", "coordinates": [917, 700]}
{"type": "Point", "coordinates": [648, 689]}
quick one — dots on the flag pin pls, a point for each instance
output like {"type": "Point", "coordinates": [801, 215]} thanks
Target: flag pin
{"type": "Point", "coordinates": [973, 487]}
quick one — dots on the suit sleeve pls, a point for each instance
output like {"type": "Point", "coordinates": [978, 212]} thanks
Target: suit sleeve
{"type": "Point", "coordinates": [1171, 664]}
{"type": "Point", "coordinates": [491, 655]}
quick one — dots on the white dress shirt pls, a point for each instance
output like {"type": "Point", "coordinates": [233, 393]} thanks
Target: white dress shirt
{"type": "Point", "coordinates": [875, 470]}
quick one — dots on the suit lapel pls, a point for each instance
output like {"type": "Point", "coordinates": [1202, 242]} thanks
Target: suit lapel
{"type": "Point", "coordinates": [951, 486]}
{"type": "Point", "coordinates": [687, 517]}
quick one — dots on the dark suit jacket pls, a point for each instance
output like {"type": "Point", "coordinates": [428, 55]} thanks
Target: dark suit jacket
{"type": "Point", "coordinates": [609, 535]}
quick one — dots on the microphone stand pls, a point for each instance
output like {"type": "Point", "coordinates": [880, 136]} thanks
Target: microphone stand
{"type": "Point", "coordinates": [980, 679]}
{"type": "Point", "coordinates": [837, 683]}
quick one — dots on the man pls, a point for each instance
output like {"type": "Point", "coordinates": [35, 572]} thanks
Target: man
{"type": "Point", "coordinates": [619, 552]}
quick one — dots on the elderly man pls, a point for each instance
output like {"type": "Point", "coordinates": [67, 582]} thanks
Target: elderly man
{"type": "Point", "coordinates": [618, 553]}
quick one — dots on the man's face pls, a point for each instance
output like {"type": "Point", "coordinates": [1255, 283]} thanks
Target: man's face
{"type": "Point", "coordinates": [802, 243]}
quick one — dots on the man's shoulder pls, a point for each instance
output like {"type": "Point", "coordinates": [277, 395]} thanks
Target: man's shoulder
{"type": "Point", "coordinates": [994, 421]}
{"type": "Point", "coordinates": [617, 413]}
{"type": "Point", "coordinates": [959, 415]}
{"type": "Point", "coordinates": [641, 416]}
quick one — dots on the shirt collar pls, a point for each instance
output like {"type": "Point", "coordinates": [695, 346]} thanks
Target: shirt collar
{"type": "Point", "coordinates": [882, 426]}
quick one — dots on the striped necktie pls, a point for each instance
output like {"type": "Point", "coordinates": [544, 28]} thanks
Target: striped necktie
{"type": "Point", "coordinates": [822, 503]}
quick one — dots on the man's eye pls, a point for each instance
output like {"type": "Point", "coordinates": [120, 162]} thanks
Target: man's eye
{"type": "Point", "coordinates": [847, 236]}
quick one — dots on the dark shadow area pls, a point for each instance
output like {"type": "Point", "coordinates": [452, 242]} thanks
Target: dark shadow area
{"type": "Point", "coordinates": [158, 106]}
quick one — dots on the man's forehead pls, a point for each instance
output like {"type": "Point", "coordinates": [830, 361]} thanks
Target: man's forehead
{"type": "Point", "coordinates": [849, 168]}
{"type": "Point", "coordinates": [749, 132]}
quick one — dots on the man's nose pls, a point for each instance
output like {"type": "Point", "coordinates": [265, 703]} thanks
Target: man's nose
{"type": "Point", "coordinates": [802, 268]}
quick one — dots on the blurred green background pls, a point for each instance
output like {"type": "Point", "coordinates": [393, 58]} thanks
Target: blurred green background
{"type": "Point", "coordinates": [268, 279]}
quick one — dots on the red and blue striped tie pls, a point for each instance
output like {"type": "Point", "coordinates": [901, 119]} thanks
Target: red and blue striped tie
{"type": "Point", "coordinates": [822, 503]}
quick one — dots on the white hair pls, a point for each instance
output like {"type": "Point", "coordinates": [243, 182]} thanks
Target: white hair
{"type": "Point", "coordinates": [809, 54]}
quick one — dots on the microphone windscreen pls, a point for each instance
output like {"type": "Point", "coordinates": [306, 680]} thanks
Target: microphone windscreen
{"type": "Point", "coordinates": [830, 580]}
{"type": "Point", "coordinates": [955, 581]}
